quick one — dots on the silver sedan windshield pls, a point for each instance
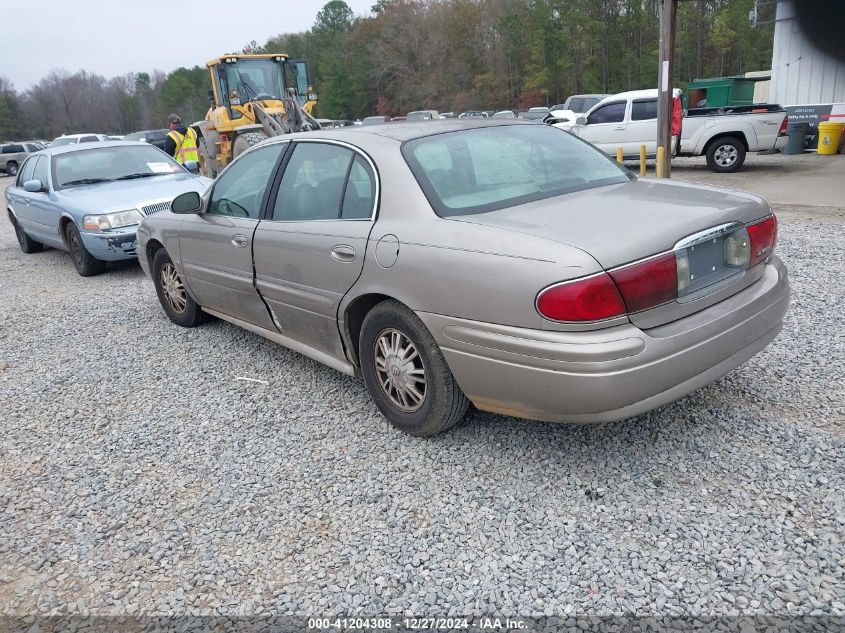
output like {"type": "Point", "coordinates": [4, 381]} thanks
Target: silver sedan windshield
{"type": "Point", "coordinates": [105, 164]}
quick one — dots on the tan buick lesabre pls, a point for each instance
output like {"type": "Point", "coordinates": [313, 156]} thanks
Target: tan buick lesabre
{"type": "Point", "coordinates": [506, 264]}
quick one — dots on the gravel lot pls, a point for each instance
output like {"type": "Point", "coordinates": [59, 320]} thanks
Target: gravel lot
{"type": "Point", "coordinates": [138, 474]}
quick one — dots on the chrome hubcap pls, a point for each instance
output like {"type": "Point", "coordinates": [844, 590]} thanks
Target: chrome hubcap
{"type": "Point", "coordinates": [725, 155]}
{"type": "Point", "coordinates": [174, 291]}
{"type": "Point", "coordinates": [400, 370]}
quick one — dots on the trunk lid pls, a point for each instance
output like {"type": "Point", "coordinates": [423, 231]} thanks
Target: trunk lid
{"type": "Point", "coordinates": [625, 223]}
{"type": "Point", "coordinates": [622, 223]}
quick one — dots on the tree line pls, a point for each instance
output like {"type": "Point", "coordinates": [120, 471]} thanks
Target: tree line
{"type": "Point", "coordinates": [449, 55]}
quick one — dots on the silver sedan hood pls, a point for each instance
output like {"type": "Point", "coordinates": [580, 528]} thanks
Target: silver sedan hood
{"type": "Point", "coordinates": [622, 223]}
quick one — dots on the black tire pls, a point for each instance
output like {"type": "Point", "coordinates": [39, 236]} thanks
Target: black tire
{"type": "Point", "coordinates": [442, 405]}
{"type": "Point", "coordinates": [246, 140]}
{"type": "Point", "coordinates": [85, 263]}
{"type": "Point", "coordinates": [190, 314]}
{"type": "Point", "coordinates": [27, 244]}
{"type": "Point", "coordinates": [725, 155]}
{"type": "Point", "coordinates": [208, 166]}
{"type": "Point", "coordinates": [12, 168]}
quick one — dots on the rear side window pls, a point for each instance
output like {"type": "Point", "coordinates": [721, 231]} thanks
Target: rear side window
{"type": "Point", "coordinates": [360, 192]}
{"type": "Point", "coordinates": [610, 113]}
{"type": "Point", "coordinates": [88, 139]}
{"type": "Point", "coordinates": [312, 187]}
{"type": "Point", "coordinates": [26, 171]}
{"type": "Point", "coordinates": [644, 110]}
{"type": "Point", "coordinates": [13, 149]}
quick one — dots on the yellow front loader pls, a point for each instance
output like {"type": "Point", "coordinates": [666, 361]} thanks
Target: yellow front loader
{"type": "Point", "coordinates": [253, 97]}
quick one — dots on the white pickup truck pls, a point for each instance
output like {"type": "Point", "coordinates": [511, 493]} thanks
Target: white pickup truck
{"type": "Point", "coordinates": [629, 120]}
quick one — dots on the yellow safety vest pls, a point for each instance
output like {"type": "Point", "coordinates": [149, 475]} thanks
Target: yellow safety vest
{"type": "Point", "coordinates": [186, 146]}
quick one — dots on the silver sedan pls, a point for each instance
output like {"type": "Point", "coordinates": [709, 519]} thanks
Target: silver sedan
{"type": "Point", "coordinates": [506, 264]}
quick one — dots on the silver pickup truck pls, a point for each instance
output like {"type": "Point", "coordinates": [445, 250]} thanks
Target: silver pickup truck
{"type": "Point", "coordinates": [724, 135]}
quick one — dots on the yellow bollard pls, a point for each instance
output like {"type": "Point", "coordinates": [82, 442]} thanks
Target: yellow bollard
{"type": "Point", "coordinates": [619, 155]}
{"type": "Point", "coordinates": [643, 169]}
{"type": "Point", "coordinates": [660, 152]}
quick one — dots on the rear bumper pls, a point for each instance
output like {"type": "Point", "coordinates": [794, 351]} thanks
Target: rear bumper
{"type": "Point", "coordinates": [781, 142]}
{"type": "Point", "coordinates": [111, 245]}
{"type": "Point", "coordinates": [610, 374]}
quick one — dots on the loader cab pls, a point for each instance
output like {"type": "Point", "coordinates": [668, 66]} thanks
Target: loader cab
{"type": "Point", "coordinates": [239, 79]}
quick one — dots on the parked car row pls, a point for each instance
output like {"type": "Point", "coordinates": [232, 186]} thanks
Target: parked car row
{"type": "Point", "coordinates": [439, 268]}
{"type": "Point", "coordinates": [12, 155]}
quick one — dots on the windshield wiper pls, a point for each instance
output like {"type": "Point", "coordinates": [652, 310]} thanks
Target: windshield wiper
{"type": "Point", "coordinates": [138, 175]}
{"type": "Point", "coordinates": [86, 181]}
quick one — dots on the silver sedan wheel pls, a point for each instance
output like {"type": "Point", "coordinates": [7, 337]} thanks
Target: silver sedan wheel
{"type": "Point", "coordinates": [400, 370]}
{"type": "Point", "coordinates": [174, 290]}
{"type": "Point", "coordinates": [725, 155]}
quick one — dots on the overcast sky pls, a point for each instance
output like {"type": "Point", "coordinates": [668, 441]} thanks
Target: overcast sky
{"type": "Point", "coordinates": [114, 37]}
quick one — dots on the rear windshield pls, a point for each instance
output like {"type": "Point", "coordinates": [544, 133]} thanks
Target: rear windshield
{"type": "Point", "coordinates": [486, 169]}
{"type": "Point", "coordinates": [105, 164]}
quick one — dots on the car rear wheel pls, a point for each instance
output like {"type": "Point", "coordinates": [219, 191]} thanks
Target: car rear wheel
{"type": "Point", "coordinates": [725, 155]}
{"type": "Point", "coordinates": [172, 294]}
{"type": "Point", "coordinates": [85, 263]}
{"type": "Point", "coordinates": [12, 168]}
{"type": "Point", "coordinates": [27, 244]}
{"type": "Point", "coordinates": [406, 374]}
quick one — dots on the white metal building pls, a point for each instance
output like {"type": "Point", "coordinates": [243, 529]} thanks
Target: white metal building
{"type": "Point", "coordinates": [802, 74]}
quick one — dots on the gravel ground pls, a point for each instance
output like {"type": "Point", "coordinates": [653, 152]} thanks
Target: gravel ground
{"type": "Point", "coordinates": [138, 474]}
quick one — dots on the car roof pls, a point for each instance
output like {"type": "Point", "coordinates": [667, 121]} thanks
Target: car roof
{"type": "Point", "coordinates": [402, 131]}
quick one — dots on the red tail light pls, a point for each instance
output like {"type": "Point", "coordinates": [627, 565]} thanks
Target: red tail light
{"type": "Point", "coordinates": [783, 125]}
{"type": "Point", "coordinates": [648, 283]}
{"type": "Point", "coordinates": [587, 299]}
{"type": "Point", "coordinates": [762, 236]}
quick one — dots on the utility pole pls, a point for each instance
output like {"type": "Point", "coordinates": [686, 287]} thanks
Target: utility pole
{"type": "Point", "coordinates": [668, 12]}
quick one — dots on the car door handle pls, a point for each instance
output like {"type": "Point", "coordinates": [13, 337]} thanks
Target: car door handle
{"type": "Point", "coordinates": [621, 128]}
{"type": "Point", "coordinates": [343, 253]}
{"type": "Point", "coordinates": [240, 240]}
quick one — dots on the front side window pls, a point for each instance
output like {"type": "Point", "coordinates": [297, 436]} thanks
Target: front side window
{"type": "Point", "coordinates": [313, 185]}
{"type": "Point", "coordinates": [25, 172]}
{"type": "Point", "coordinates": [467, 171]}
{"type": "Point", "coordinates": [644, 110]}
{"type": "Point", "coordinates": [13, 149]}
{"type": "Point", "coordinates": [88, 139]}
{"type": "Point", "coordinates": [32, 148]}
{"type": "Point", "coordinates": [610, 113]}
{"type": "Point", "coordinates": [41, 169]}
{"type": "Point", "coordinates": [239, 191]}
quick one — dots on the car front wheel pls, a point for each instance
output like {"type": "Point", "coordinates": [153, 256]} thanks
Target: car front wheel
{"type": "Point", "coordinates": [172, 294]}
{"type": "Point", "coordinates": [406, 374]}
{"type": "Point", "coordinates": [85, 263]}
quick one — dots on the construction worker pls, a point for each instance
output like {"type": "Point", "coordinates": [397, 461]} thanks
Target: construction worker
{"type": "Point", "coordinates": [181, 142]}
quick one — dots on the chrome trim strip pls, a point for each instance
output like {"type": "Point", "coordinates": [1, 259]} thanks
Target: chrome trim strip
{"type": "Point", "coordinates": [707, 234]}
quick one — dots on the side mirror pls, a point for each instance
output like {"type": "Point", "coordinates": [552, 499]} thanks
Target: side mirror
{"type": "Point", "coordinates": [33, 186]}
{"type": "Point", "coordinates": [192, 166]}
{"type": "Point", "coordinates": [581, 120]}
{"type": "Point", "coordinates": [188, 202]}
